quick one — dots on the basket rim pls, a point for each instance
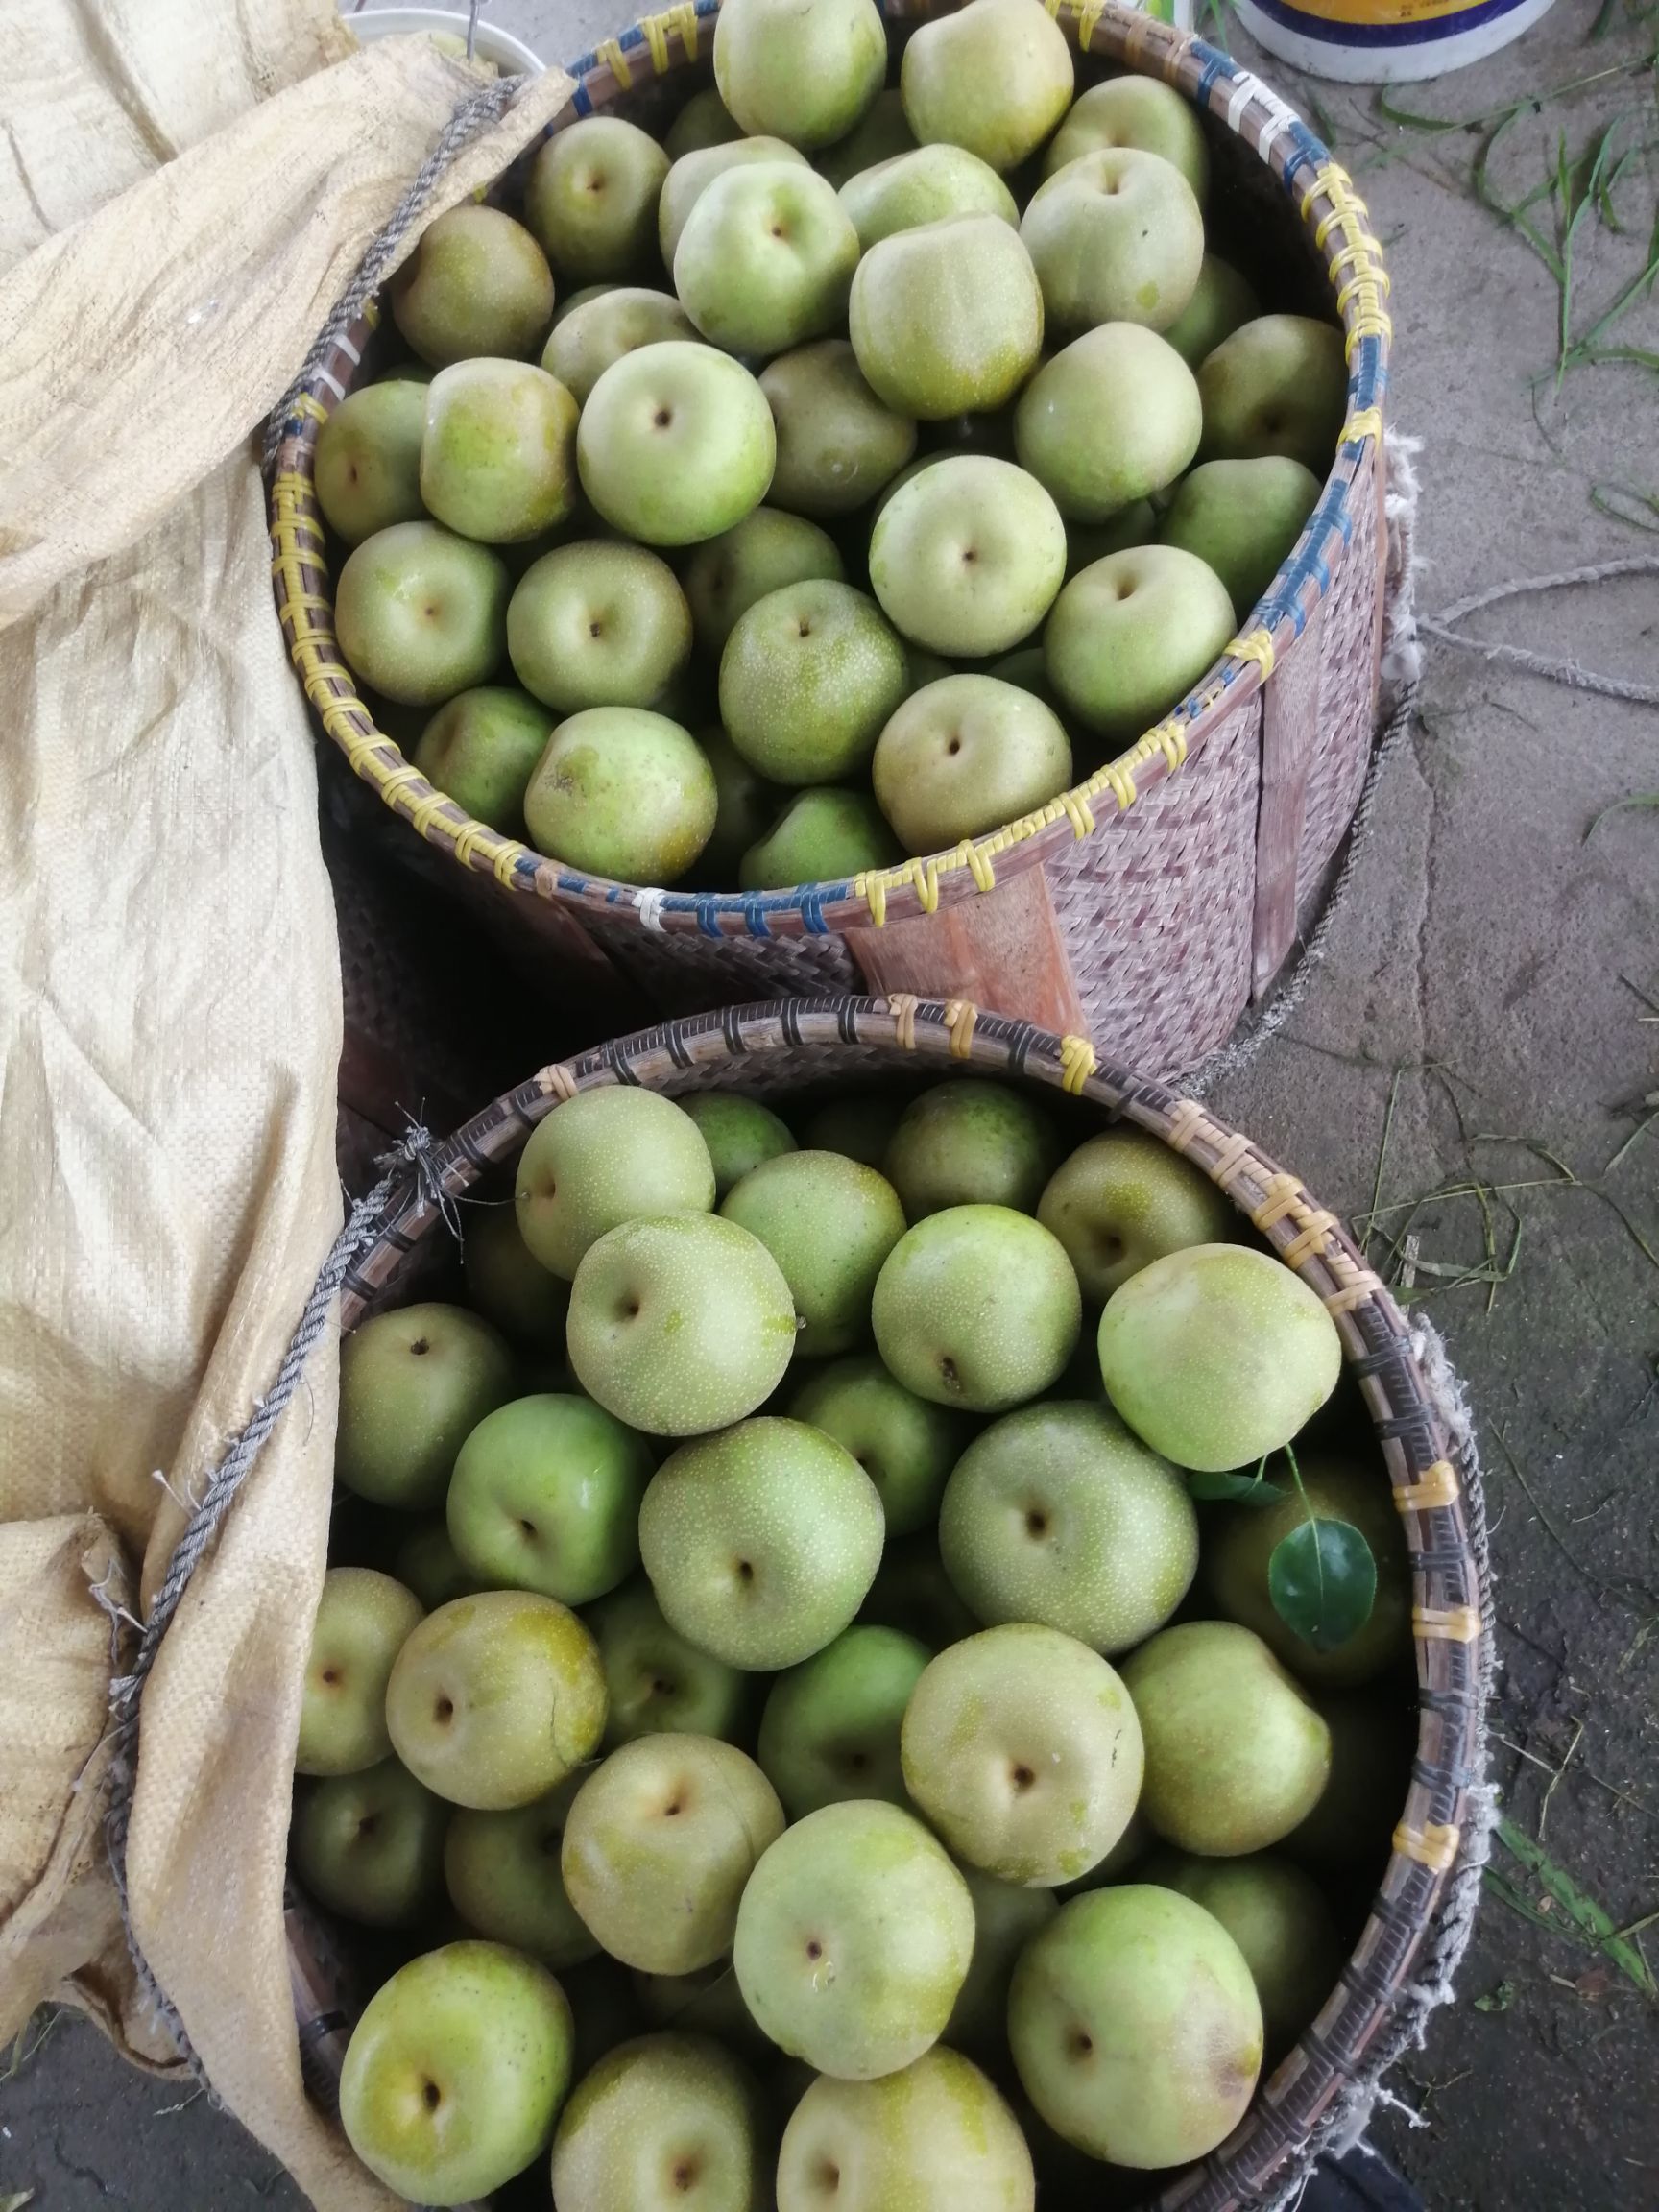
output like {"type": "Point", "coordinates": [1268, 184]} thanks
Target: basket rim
{"type": "Point", "coordinates": [1436, 1486]}
{"type": "Point", "coordinates": [1329, 208]}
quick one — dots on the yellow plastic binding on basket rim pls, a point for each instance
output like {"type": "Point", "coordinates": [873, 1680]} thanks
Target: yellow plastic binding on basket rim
{"type": "Point", "coordinates": [1355, 268]}
{"type": "Point", "coordinates": [1434, 1846]}
{"type": "Point", "coordinates": [1437, 1486]}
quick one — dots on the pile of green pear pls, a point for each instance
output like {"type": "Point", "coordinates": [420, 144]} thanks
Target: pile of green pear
{"type": "Point", "coordinates": [818, 1676]}
{"type": "Point", "coordinates": [844, 476]}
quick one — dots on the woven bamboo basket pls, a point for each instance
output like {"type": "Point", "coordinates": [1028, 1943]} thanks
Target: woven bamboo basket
{"type": "Point", "coordinates": [1431, 1873]}
{"type": "Point", "coordinates": [1148, 906]}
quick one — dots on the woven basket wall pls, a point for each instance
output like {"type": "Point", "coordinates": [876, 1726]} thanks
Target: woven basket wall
{"type": "Point", "coordinates": [1180, 873]}
{"type": "Point", "coordinates": [801, 1045]}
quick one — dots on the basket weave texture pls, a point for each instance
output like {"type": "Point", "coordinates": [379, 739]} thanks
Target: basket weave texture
{"type": "Point", "coordinates": [775, 1049]}
{"type": "Point", "coordinates": [1156, 861]}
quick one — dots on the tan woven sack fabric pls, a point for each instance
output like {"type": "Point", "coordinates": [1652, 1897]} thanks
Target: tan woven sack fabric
{"type": "Point", "coordinates": [183, 198]}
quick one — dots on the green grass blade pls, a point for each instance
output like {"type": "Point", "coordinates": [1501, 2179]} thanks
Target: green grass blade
{"type": "Point", "coordinates": [1592, 1920]}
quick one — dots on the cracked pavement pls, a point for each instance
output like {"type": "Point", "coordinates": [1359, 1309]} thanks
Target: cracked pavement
{"type": "Point", "coordinates": [1486, 936]}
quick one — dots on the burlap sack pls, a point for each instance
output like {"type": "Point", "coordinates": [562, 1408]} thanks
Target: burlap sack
{"type": "Point", "coordinates": [185, 191]}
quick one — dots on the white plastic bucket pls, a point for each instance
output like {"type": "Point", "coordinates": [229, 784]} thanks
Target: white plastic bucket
{"type": "Point", "coordinates": [1386, 41]}
{"type": "Point", "coordinates": [510, 56]}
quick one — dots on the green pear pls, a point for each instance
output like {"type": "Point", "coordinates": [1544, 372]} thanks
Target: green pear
{"type": "Point", "coordinates": [971, 1142]}
{"type": "Point", "coordinates": [669, 2121]}
{"type": "Point", "coordinates": [745, 805]}
{"type": "Point", "coordinates": [703, 121]}
{"type": "Point", "coordinates": [1005, 1918]}
{"type": "Point", "coordinates": [740, 1134]}
{"type": "Point", "coordinates": [706, 2002]}
{"type": "Point", "coordinates": [924, 185]}
{"type": "Point", "coordinates": [1135, 111]}
{"type": "Point", "coordinates": [498, 456]}
{"type": "Point", "coordinates": [427, 1562]}
{"type": "Point", "coordinates": [1217, 1355]}
{"type": "Point", "coordinates": [617, 319]}
{"type": "Point", "coordinates": [694, 172]}
{"type": "Point", "coordinates": [455, 2072]}
{"type": "Point", "coordinates": [968, 556]}
{"type": "Point", "coordinates": [1373, 1739]}
{"type": "Point", "coordinates": [1057, 1514]}
{"type": "Point", "coordinates": [502, 1873]}
{"type": "Point", "coordinates": [1237, 1753]}
{"type": "Point", "coordinates": [761, 1542]}
{"type": "Point", "coordinates": [857, 1122]}
{"type": "Point", "coordinates": [659, 1843]}
{"type": "Point", "coordinates": [854, 1937]}
{"type": "Point", "coordinates": [837, 445]}
{"type": "Point", "coordinates": [1114, 237]}
{"type": "Point", "coordinates": [370, 1846]}
{"type": "Point", "coordinates": [1113, 417]}
{"type": "Point", "coordinates": [363, 1621]}
{"type": "Point", "coordinates": [995, 77]}
{"type": "Point", "coordinates": [476, 283]}
{"type": "Point", "coordinates": [1241, 1543]}
{"type": "Point", "coordinates": [676, 443]}
{"type": "Point", "coordinates": [977, 1307]}
{"type": "Point", "coordinates": [1220, 302]}
{"type": "Point", "coordinates": [964, 756]}
{"type": "Point", "coordinates": [821, 836]}
{"type": "Point", "coordinates": [934, 2137]}
{"type": "Point", "coordinates": [763, 553]}
{"type": "Point", "coordinates": [830, 1223]}
{"type": "Point", "coordinates": [1134, 2027]}
{"type": "Point", "coordinates": [804, 74]}
{"type": "Point", "coordinates": [923, 667]}
{"type": "Point", "coordinates": [882, 133]}
{"type": "Point", "coordinates": [623, 792]}
{"type": "Point", "coordinates": [1022, 1749]}
{"type": "Point", "coordinates": [947, 318]}
{"type": "Point", "coordinates": [1026, 669]}
{"type": "Point", "coordinates": [591, 198]}
{"type": "Point", "coordinates": [1087, 542]}
{"type": "Point", "coordinates": [681, 1324]}
{"type": "Point", "coordinates": [1130, 637]}
{"type": "Point", "coordinates": [494, 1698]}
{"type": "Point", "coordinates": [598, 624]}
{"type": "Point", "coordinates": [413, 1385]}
{"type": "Point", "coordinates": [607, 1156]}
{"type": "Point", "coordinates": [807, 677]}
{"type": "Point", "coordinates": [906, 1446]}
{"type": "Point", "coordinates": [421, 614]}
{"type": "Point", "coordinates": [367, 461]}
{"type": "Point", "coordinates": [1123, 1199]}
{"type": "Point", "coordinates": [481, 748]}
{"type": "Point", "coordinates": [1276, 384]}
{"type": "Point", "coordinates": [569, 305]}
{"type": "Point", "coordinates": [765, 258]}
{"type": "Point", "coordinates": [1243, 518]}
{"type": "Point", "coordinates": [656, 1682]}
{"type": "Point", "coordinates": [1278, 1918]}
{"type": "Point", "coordinates": [830, 1727]}
{"type": "Point", "coordinates": [545, 1495]}
{"type": "Point", "coordinates": [912, 1591]}
{"type": "Point", "coordinates": [508, 1284]}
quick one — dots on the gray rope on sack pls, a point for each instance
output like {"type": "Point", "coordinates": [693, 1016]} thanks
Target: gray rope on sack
{"type": "Point", "coordinates": [475, 113]}
{"type": "Point", "coordinates": [408, 1165]}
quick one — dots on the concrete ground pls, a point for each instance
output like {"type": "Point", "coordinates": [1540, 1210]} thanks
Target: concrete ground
{"type": "Point", "coordinates": [1494, 977]}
